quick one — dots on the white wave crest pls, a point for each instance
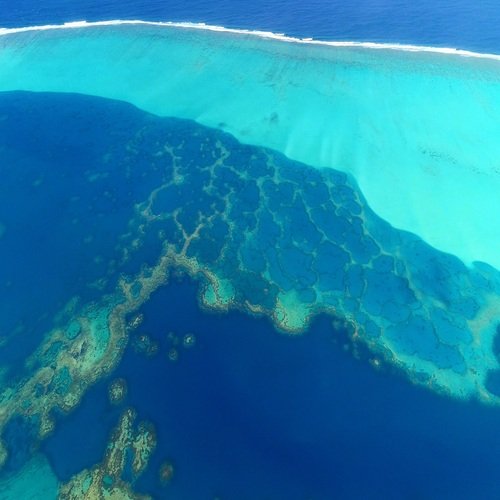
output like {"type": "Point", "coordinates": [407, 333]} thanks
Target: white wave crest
{"type": "Point", "coordinates": [262, 34]}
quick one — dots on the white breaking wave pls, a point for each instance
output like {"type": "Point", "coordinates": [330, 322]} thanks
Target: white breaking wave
{"type": "Point", "coordinates": [262, 34]}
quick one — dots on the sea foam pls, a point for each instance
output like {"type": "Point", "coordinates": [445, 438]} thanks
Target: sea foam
{"type": "Point", "coordinates": [259, 33]}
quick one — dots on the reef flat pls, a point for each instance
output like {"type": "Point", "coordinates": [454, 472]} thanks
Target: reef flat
{"type": "Point", "coordinates": [423, 122]}
{"type": "Point", "coordinates": [260, 233]}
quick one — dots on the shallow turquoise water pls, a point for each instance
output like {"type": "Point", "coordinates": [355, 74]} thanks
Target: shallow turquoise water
{"type": "Point", "coordinates": [423, 123]}
{"type": "Point", "coordinates": [354, 182]}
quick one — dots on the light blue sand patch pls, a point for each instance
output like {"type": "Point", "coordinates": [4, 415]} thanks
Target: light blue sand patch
{"type": "Point", "coordinates": [418, 131]}
{"type": "Point", "coordinates": [35, 481]}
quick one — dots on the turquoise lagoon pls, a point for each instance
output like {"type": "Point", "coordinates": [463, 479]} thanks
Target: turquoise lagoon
{"type": "Point", "coordinates": [424, 123]}
{"type": "Point", "coordinates": [415, 130]}
{"type": "Point", "coordinates": [289, 178]}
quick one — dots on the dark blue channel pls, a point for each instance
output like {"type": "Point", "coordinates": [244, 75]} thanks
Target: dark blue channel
{"type": "Point", "coordinates": [248, 413]}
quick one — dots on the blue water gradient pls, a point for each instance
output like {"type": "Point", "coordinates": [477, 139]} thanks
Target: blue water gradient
{"type": "Point", "coordinates": [75, 235]}
{"type": "Point", "coordinates": [447, 23]}
{"type": "Point", "coordinates": [246, 412]}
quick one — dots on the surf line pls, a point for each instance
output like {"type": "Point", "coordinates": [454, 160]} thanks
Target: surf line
{"type": "Point", "coordinates": [261, 34]}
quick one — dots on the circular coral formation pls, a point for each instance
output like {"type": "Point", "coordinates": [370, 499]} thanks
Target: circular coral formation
{"type": "Point", "coordinates": [166, 472]}
{"type": "Point", "coordinates": [117, 391]}
{"type": "Point", "coordinates": [144, 344]}
{"type": "Point", "coordinates": [136, 321]}
{"type": "Point", "coordinates": [173, 354]}
{"type": "Point", "coordinates": [172, 338]}
{"type": "Point", "coordinates": [189, 340]}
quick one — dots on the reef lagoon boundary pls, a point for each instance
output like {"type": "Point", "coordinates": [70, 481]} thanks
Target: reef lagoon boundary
{"type": "Point", "coordinates": [259, 33]}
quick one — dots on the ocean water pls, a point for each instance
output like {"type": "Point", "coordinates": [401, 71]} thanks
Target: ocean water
{"type": "Point", "coordinates": [445, 23]}
{"type": "Point", "coordinates": [240, 265]}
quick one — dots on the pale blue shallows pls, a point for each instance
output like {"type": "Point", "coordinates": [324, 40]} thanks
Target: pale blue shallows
{"type": "Point", "coordinates": [421, 127]}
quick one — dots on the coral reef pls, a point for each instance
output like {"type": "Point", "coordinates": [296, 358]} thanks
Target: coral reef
{"type": "Point", "coordinates": [275, 237]}
{"type": "Point", "coordinates": [105, 480]}
{"type": "Point", "coordinates": [166, 472]}
{"type": "Point", "coordinates": [271, 237]}
{"type": "Point", "coordinates": [117, 391]}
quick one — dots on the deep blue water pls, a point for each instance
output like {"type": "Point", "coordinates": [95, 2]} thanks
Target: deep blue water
{"type": "Point", "coordinates": [80, 212]}
{"type": "Point", "coordinates": [447, 23]}
{"type": "Point", "coordinates": [249, 413]}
